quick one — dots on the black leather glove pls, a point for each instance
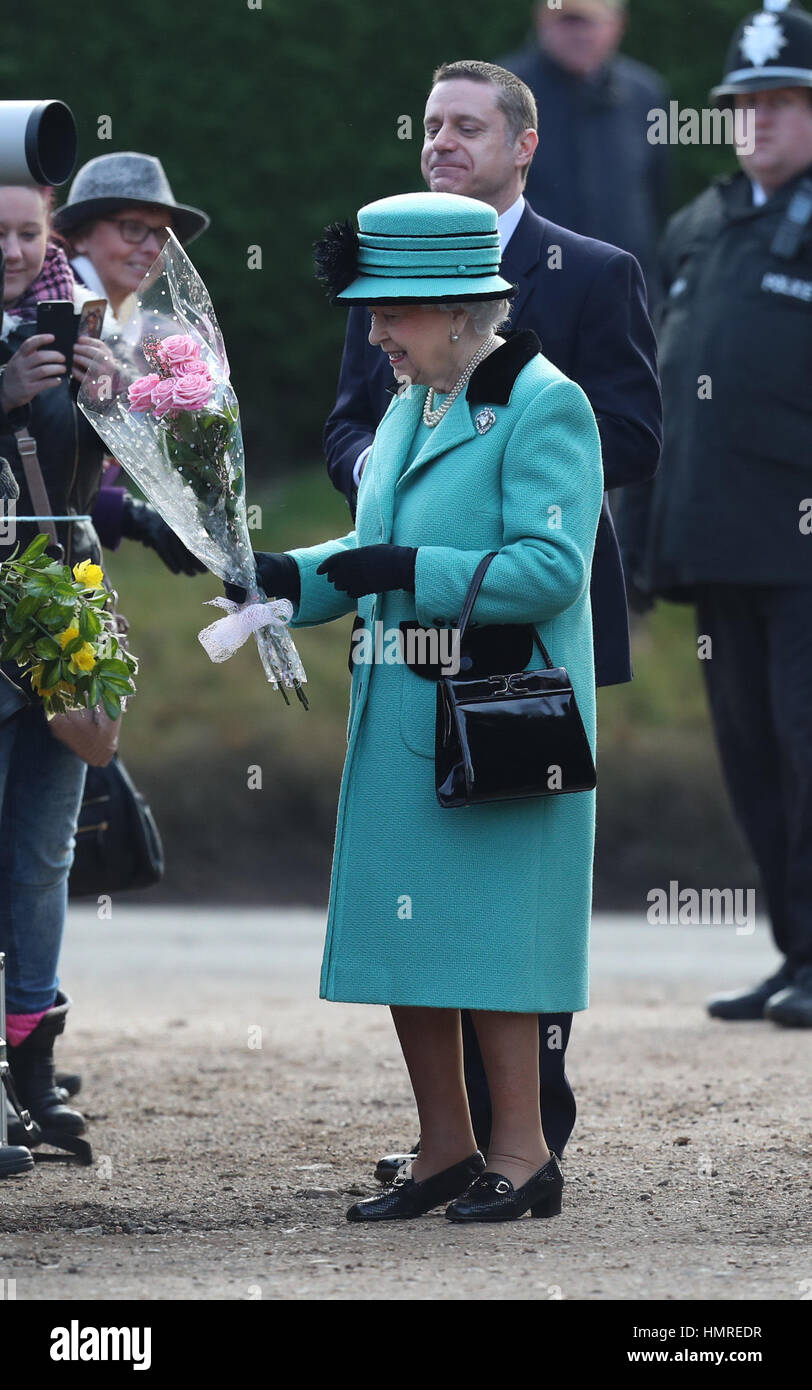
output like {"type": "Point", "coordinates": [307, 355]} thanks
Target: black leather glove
{"type": "Point", "coordinates": [141, 522]}
{"type": "Point", "coordinates": [277, 576]}
{"type": "Point", "coordinates": [371, 569]}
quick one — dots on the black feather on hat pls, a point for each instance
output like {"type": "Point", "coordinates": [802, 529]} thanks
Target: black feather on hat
{"type": "Point", "coordinates": [336, 257]}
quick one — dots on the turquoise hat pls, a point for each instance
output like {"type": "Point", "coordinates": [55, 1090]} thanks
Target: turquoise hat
{"type": "Point", "coordinates": [415, 248]}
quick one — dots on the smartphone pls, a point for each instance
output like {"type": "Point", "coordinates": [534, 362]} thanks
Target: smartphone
{"type": "Point", "coordinates": [91, 318]}
{"type": "Point", "coordinates": [57, 316]}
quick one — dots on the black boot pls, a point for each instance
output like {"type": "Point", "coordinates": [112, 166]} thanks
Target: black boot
{"type": "Point", "coordinates": [17, 1132]}
{"type": "Point", "coordinates": [32, 1070]}
{"type": "Point", "coordinates": [69, 1083]}
{"type": "Point", "coordinates": [15, 1160]}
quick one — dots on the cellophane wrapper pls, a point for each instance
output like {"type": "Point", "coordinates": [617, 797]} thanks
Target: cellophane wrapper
{"type": "Point", "coordinates": [196, 483]}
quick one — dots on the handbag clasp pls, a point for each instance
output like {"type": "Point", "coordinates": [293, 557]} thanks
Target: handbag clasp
{"type": "Point", "coordinates": [518, 684]}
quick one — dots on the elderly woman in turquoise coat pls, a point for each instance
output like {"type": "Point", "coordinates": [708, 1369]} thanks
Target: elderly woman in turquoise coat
{"type": "Point", "coordinates": [486, 447]}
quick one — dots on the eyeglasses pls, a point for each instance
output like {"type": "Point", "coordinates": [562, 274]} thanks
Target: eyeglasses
{"type": "Point", "coordinates": [136, 232]}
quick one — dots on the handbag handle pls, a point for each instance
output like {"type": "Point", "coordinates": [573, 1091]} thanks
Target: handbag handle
{"type": "Point", "coordinates": [470, 599]}
{"type": "Point", "coordinates": [27, 449]}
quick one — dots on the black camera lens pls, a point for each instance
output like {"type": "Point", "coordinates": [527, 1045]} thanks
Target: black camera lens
{"type": "Point", "coordinates": [51, 143]}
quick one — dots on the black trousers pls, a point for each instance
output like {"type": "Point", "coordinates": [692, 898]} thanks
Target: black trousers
{"type": "Point", "coordinates": [759, 683]}
{"type": "Point", "coordinates": [557, 1099]}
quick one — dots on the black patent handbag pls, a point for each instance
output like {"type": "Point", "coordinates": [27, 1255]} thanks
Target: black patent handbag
{"type": "Point", "coordinates": [499, 738]}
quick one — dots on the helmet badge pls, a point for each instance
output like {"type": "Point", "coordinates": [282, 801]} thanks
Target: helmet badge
{"type": "Point", "coordinates": [763, 39]}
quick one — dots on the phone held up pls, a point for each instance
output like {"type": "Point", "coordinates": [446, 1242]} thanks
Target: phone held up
{"type": "Point", "coordinates": [59, 317]}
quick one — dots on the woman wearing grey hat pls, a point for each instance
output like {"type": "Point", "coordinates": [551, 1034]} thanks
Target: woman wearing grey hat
{"type": "Point", "coordinates": [115, 222]}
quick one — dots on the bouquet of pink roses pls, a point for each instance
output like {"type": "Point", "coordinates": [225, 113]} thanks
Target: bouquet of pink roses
{"type": "Point", "coordinates": [176, 430]}
{"type": "Point", "coordinates": [195, 427]}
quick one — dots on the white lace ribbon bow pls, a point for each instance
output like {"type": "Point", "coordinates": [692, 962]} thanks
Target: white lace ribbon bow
{"type": "Point", "coordinates": [221, 639]}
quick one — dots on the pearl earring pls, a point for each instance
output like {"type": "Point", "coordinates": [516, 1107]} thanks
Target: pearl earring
{"type": "Point", "coordinates": [455, 337]}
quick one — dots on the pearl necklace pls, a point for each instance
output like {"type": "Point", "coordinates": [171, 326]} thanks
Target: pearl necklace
{"type": "Point", "coordinates": [433, 417]}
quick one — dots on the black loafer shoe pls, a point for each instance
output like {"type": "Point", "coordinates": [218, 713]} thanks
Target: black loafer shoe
{"type": "Point", "coordinates": [494, 1198]}
{"type": "Point", "coordinates": [407, 1198]}
{"type": "Point", "coordinates": [792, 1006]}
{"type": "Point", "coordinates": [387, 1168]}
{"type": "Point", "coordinates": [748, 1003]}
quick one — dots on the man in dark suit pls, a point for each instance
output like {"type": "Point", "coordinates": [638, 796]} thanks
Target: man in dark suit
{"type": "Point", "coordinates": [586, 301]}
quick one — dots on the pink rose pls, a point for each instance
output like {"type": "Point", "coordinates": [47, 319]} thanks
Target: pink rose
{"type": "Point", "coordinates": [140, 393]}
{"type": "Point", "coordinates": [177, 348]}
{"type": "Point", "coordinates": [162, 393]}
{"type": "Point", "coordinates": [191, 391]}
{"type": "Point", "coordinates": [190, 368]}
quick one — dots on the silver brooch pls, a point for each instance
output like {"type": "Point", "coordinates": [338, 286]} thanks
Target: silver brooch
{"type": "Point", "coordinates": [484, 419]}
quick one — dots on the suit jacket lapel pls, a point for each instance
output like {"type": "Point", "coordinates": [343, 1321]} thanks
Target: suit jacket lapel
{"type": "Point", "coordinates": [524, 251]}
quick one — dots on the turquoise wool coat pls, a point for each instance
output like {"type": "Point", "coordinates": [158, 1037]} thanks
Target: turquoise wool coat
{"type": "Point", "coordinates": [480, 907]}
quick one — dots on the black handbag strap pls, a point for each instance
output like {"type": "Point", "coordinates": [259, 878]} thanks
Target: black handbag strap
{"type": "Point", "coordinates": [470, 599]}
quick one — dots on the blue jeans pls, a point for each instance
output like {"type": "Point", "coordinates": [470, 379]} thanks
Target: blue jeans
{"type": "Point", "coordinates": [41, 785]}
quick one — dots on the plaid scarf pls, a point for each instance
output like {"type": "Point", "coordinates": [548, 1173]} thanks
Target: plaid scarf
{"type": "Point", "coordinates": [55, 281]}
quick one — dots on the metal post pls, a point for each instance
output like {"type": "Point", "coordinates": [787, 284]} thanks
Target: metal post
{"type": "Point", "coordinates": [14, 1158]}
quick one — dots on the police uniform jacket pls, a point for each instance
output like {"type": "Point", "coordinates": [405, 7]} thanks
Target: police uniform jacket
{"type": "Point", "coordinates": [735, 482]}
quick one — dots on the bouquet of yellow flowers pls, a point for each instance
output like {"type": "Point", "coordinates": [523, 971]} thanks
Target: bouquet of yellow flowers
{"type": "Point", "coordinates": [55, 625]}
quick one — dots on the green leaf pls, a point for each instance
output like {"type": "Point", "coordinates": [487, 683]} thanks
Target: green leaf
{"type": "Point", "coordinates": [56, 613]}
{"type": "Point", "coordinates": [51, 673]}
{"type": "Point", "coordinates": [112, 705]}
{"type": "Point", "coordinates": [17, 645]}
{"type": "Point", "coordinates": [112, 666]}
{"type": "Point", "coordinates": [93, 691]}
{"type": "Point", "coordinates": [11, 621]}
{"type": "Point", "coordinates": [38, 544]}
{"type": "Point", "coordinates": [120, 683]}
{"type": "Point", "coordinates": [47, 648]}
{"type": "Point", "coordinates": [74, 645]}
{"type": "Point", "coordinates": [26, 606]}
{"type": "Point", "coordinates": [90, 624]}
{"type": "Point", "coordinates": [39, 586]}
{"type": "Point", "coordinates": [13, 647]}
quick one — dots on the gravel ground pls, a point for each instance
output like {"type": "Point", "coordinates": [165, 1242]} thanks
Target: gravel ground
{"type": "Point", "coordinates": [234, 1117]}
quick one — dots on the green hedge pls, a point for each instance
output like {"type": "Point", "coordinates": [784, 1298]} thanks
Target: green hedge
{"type": "Point", "coordinates": [279, 119]}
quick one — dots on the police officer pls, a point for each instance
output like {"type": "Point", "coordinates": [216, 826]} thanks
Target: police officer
{"type": "Point", "coordinates": [727, 523]}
